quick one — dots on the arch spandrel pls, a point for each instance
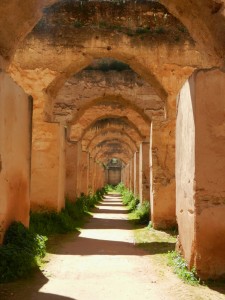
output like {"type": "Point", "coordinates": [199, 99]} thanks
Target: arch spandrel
{"type": "Point", "coordinates": [210, 23]}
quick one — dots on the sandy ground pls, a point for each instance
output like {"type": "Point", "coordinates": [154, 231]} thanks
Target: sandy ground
{"type": "Point", "coordinates": [103, 262]}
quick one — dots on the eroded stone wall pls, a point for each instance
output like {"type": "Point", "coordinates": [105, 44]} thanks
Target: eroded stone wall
{"type": "Point", "coordinates": [200, 172]}
{"type": "Point", "coordinates": [48, 167]}
{"type": "Point", "coordinates": [15, 147]}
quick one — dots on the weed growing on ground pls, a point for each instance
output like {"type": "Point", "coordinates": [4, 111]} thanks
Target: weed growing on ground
{"type": "Point", "coordinates": [181, 269]}
{"type": "Point", "coordinates": [49, 223]}
{"type": "Point", "coordinates": [22, 250]}
{"type": "Point", "coordinates": [140, 211]}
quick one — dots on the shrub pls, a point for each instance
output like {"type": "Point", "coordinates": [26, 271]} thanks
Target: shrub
{"type": "Point", "coordinates": [49, 223]}
{"type": "Point", "coordinates": [181, 269]}
{"type": "Point", "coordinates": [20, 253]}
{"type": "Point", "coordinates": [142, 213]}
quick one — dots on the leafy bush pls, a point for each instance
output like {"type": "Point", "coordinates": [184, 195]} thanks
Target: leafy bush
{"type": "Point", "coordinates": [120, 188]}
{"type": "Point", "coordinates": [49, 223]}
{"type": "Point", "coordinates": [142, 213]}
{"type": "Point", "coordinates": [180, 268]}
{"type": "Point", "coordinates": [23, 248]}
{"type": "Point", "coordinates": [20, 253]}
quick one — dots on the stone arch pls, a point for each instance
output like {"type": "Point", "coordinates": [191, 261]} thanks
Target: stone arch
{"type": "Point", "coordinates": [210, 22]}
{"type": "Point", "coordinates": [108, 109]}
{"type": "Point", "coordinates": [122, 124]}
{"type": "Point", "coordinates": [105, 156]}
{"type": "Point", "coordinates": [111, 146]}
{"type": "Point", "coordinates": [107, 134]}
{"type": "Point", "coordinates": [113, 138]}
{"type": "Point", "coordinates": [95, 83]}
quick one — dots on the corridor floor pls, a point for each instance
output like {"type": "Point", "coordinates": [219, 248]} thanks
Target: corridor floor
{"type": "Point", "coordinates": [103, 262]}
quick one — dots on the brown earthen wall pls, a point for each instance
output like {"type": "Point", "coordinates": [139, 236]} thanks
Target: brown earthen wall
{"type": "Point", "coordinates": [15, 140]}
{"type": "Point", "coordinates": [185, 169]}
{"type": "Point", "coordinates": [200, 172]}
{"type": "Point", "coordinates": [48, 167]}
{"type": "Point", "coordinates": [71, 171]}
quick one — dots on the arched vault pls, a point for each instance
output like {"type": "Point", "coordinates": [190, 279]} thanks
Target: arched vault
{"type": "Point", "coordinates": [106, 109]}
{"type": "Point", "coordinates": [111, 134]}
{"type": "Point", "coordinates": [111, 147]}
{"type": "Point", "coordinates": [113, 138]}
{"type": "Point", "coordinates": [105, 156]}
{"type": "Point", "coordinates": [116, 124]}
{"type": "Point", "coordinates": [210, 23]}
{"type": "Point", "coordinates": [86, 87]}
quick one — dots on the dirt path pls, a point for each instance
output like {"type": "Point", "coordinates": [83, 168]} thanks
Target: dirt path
{"type": "Point", "coordinates": [104, 263]}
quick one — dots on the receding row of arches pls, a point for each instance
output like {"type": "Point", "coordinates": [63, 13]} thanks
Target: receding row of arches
{"type": "Point", "coordinates": [132, 92]}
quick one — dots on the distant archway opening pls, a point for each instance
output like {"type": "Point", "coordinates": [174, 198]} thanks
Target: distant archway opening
{"type": "Point", "coordinates": [113, 171]}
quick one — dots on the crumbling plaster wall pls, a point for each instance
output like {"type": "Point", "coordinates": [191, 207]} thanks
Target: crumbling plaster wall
{"type": "Point", "coordinates": [15, 153]}
{"type": "Point", "coordinates": [200, 164]}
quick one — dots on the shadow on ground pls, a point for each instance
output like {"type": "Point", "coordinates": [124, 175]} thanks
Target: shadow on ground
{"type": "Point", "coordinates": [28, 289]}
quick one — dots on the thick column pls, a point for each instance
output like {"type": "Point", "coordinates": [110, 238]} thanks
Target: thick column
{"type": "Point", "coordinates": [200, 165]}
{"type": "Point", "coordinates": [127, 176]}
{"type": "Point", "coordinates": [71, 170]}
{"type": "Point", "coordinates": [106, 176]}
{"type": "Point", "coordinates": [48, 167]}
{"type": "Point", "coordinates": [136, 173]}
{"type": "Point", "coordinates": [163, 187]}
{"type": "Point", "coordinates": [15, 145]}
{"type": "Point", "coordinates": [84, 172]}
{"type": "Point", "coordinates": [144, 172]}
{"type": "Point", "coordinates": [91, 174]}
{"type": "Point", "coordinates": [131, 176]}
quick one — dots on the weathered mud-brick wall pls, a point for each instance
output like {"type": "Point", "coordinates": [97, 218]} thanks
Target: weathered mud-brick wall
{"type": "Point", "coordinates": [200, 165]}
{"type": "Point", "coordinates": [48, 167]}
{"type": "Point", "coordinates": [71, 170]}
{"type": "Point", "coordinates": [163, 174]}
{"type": "Point", "coordinates": [15, 145]}
{"type": "Point", "coordinates": [144, 171]}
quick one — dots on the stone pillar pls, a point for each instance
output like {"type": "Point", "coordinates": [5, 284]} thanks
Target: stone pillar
{"type": "Point", "coordinates": [144, 172]}
{"type": "Point", "coordinates": [106, 176]}
{"type": "Point", "coordinates": [127, 176]}
{"type": "Point", "coordinates": [162, 169]}
{"type": "Point", "coordinates": [131, 175]}
{"type": "Point", "coordinates": [91, 174]}
{"type": "Point", "coordinates": [84, 172]}
{"type": "Point", "coordinates": [136, 174]}
{"type": "Point", "coordinates": [71, 170]}
{"type": "Point", "coordinates": [200, 165]}
{"type": "Point", "coordinates": [48, 167]}
{"type": "Point", "coordinates": [15, 146]}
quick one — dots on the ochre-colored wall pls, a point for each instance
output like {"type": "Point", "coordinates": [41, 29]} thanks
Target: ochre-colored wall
{"type": "Point", "coordinates": [200, 165]}
{"type": "Point", "coordinates": [15, 139]}
{"type": "Point", "coordinates": [114, 176]}
{"type": "Point", "coordinates": [48, 167]}
{"type": "Point", "coordinates": [71, 171]}
{"type": "Point", "coordinates": [185, 169]}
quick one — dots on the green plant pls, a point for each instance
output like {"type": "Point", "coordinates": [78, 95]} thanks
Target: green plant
{"type": "Point", "coordinates": [180, 268]}
{"type": "Point", "coordinates": [21, 252]}
{"type": "Point", "coordinates": [142, 30]}
{"type": "Point", "coordinates": [160, 30]}
{"type": "Point", "coordinates": [77, 24]}
{"type": "Point", "coordinates": [49, 223]}
{"type": "Point", "coordinates": [142, 213]}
